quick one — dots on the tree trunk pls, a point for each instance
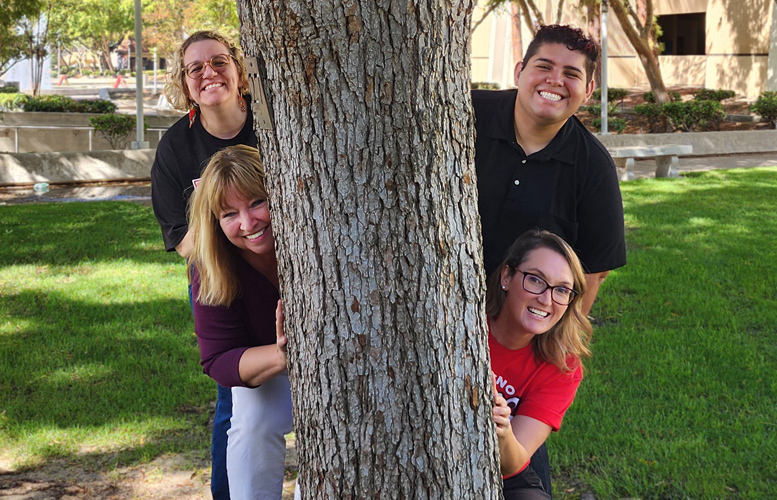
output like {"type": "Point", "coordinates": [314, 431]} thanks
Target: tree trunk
{"type": "Point", "coordinates": [640, 40]}
{"type": "Point", "coordinates": [372, 185]}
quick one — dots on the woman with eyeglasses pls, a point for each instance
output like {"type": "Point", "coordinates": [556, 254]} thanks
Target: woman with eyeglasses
{"type": "Point", "coordinates": [537, 337]}
{"type": "Point", "coordinates": [207, 80]}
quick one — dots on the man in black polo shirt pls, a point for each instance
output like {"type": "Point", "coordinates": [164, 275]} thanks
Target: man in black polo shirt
{"type": "Point", "coordinates": [539, 167]}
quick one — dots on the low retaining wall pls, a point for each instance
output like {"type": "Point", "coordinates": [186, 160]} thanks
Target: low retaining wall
{"type": "Point", "coordinates": [704, 143]}
{"type": "Point", "coordinates": [94, 166]}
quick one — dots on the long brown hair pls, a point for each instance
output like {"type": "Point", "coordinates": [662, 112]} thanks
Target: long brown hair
{"type": "Point", "coordinates": [571, 334]}
{"type": "Point", "coordinates": [239, 168]}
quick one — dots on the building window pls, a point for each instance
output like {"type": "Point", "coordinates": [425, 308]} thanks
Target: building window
{"type": "Point", "coordinates": [683, 34]}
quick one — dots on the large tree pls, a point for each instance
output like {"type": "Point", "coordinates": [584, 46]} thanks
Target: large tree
{"type": "Point", "coordinates": [639, 25]}
{"type": "Point", "coordinates": [372, 184]}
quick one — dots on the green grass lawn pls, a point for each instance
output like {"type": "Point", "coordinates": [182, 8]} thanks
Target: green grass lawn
{"type": "Point", "coordinates": [99, 363]}
{"type": "Point", "coordinates": [680, 398]}
{"type": "Point", "coordinates": [98, 359]}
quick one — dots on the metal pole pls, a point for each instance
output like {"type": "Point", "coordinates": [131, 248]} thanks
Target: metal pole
{"type": "Point", "coordinates": [605, 103]}
{"type": "Point", "coordinates": [140, 143]}
{"type": "Point", "coordinates": [155, 66]}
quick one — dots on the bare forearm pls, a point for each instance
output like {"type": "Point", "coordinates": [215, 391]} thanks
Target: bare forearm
{"type": "Point", "coordinates": [184, 248]}
{"type": "Point", "coordinates": [260, 364]}
{"type": "Point", "coordinates": [512, 455]}
{"type": "Point", "coordinates": [593, 282]}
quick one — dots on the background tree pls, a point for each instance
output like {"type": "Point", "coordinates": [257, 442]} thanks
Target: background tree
{"type": "Point", "coordinates": [168, 22]}
{"type": "Point", "coordinates": [11, 40]}
{"type": "Point", "coordinates": [371, 179]}
{"type": "Point", "coordinates": [34, 30]}
{"type": "Point", "coordinates": [640, 28]}
{"type": "Point", "coordinates": [99, 25]}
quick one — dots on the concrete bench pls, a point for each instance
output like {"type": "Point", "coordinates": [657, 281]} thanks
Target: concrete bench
{"type": "Point", "coordinates": [666, 158]}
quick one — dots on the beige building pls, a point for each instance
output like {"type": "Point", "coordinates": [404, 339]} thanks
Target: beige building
{"type": "Point", "coordinates": [718, 44]}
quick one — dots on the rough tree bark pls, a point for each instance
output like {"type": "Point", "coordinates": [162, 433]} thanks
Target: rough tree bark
{"type": "Point", "coordinates": [638, 27]}
{"type": "Point", "coordinates": [373, 195]}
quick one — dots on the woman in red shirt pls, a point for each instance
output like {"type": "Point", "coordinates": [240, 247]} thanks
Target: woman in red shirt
{"type": "Point", "coordinates": [537, 336]}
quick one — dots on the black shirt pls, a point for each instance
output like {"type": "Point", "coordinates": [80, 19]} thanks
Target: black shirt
{"type": "Point", "coordinates": [570, 187]}
{"type": "Point", "coordinates": [181, 156]}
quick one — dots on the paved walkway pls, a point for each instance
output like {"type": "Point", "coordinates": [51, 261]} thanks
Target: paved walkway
{"type": "Point", "coordinates": [141, 191]}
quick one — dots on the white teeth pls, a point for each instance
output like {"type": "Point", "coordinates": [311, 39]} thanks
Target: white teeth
{"type": "Point", "coordinates": [551, 97]}
{"type": "Point", "coordinates": [256, 235]}
{"type": "Point", "coordinates": [212, 85]}
{"type": "Point", "coordinates": [537, 312]}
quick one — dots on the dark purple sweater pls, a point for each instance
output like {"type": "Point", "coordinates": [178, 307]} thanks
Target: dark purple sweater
{"type": "Point", "coordinates": [225, 333]}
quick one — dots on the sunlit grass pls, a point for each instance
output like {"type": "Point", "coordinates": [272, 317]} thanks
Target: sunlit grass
{"type": "Point", "coordinates": [679, 399]}
{"type": "Point", "coordinates": [98, 359]}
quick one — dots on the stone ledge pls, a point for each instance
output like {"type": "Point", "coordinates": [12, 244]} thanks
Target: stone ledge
{"type": "Point", "coordinates": [93, 166]}
{"type": "Point", "coordinates": [703, 143]}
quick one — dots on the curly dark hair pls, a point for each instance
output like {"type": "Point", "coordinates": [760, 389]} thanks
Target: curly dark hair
{"type": "Point", "coordinates": [573, 38]}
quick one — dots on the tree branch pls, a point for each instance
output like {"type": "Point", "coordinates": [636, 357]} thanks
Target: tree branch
{"type": "Point", "coordinates": [491, 7]}
{"type": "Point", "coordinates": [559, 11]}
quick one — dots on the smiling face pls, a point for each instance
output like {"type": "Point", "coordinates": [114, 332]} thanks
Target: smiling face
{"type": "Point", "coordinates": [526, 314]}
{"type": "Point", "coordinates": [246, 223]}
{"type": "Point", "coordinates": [551, 85]}
{"type": "Point", "coordinates": [213, 88]}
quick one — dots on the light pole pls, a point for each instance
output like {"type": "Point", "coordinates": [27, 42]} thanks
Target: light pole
{"type": "Point", "coordinates": [604, 102]}
{"type": "Point", "coordinates": [140, 143]}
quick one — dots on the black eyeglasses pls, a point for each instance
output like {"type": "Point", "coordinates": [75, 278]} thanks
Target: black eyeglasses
{"type": "Point", "coordinates": [196, 69]}
{"type": "Point", "coordinates": [561, 295]}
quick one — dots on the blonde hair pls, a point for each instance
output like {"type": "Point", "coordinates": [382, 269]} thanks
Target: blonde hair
{"type": "Point", "coordinates": [568, 337]}
{"type": "Point", "coordinates": [233, 168]}
{"type": "Point", "coordinates": [176, 90]}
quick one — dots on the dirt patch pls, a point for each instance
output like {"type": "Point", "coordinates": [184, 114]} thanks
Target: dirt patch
{"type": "Point", "coordinates": [171, 477]}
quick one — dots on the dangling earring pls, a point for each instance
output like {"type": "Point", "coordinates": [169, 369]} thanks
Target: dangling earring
{"type": "Point", "coordinates": [242, 103]}
{"type": "Point", "coordinates": [192, 115]}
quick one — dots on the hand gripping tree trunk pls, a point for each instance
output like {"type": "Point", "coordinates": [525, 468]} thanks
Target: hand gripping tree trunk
{"type": "Point", "coordinates": [373, 195]}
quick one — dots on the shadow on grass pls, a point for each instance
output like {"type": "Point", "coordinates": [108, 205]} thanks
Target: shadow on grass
{"type": "Point", "coordinates": [69, 233]}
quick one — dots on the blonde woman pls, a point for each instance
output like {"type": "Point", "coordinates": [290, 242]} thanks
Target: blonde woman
{"type": "Point", "coordinates": [234, 281]}
{"type": "Point", "coordinates": [207, 80]}
{"type": "Point", "coordinates": [537, 337]}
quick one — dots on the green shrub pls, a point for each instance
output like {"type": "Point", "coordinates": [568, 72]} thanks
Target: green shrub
{"type": "Point", "coordinates": [613, 124]}
{"type": "Point", "coordinates": [64, 104]}
{"type": "Point", "coordinates": [9, 89]}
{"type": "Point", "coordinates": [115, 128]}
{"type": "Point", "coordinates": [13, 102]}
{"type": "Point", "coordinates": [652, 114]}
{"type": "Point", "coordinates": [596, 109]}
{"type": "Point", "coordinates": [713, 94]}
{"type": "Point", "coordinates": [484, 85]}
{"type": "Point", "coordinates": [674, 96]}
{"type": "Point", "coordinates": [694, 115]}
{"type": "Point", "coordinates": [613, 94]}
{"type": "Point", "coordinates": [766, 107]}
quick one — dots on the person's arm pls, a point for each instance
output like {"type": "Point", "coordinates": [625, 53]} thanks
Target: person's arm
{"type": "Point", "coordinates": [593, 282]}
{"type": "Point", "coordinates": [260, 364]}
{"type": "Point", "coordinates": [184, 248]}
{"type": "Point", "coordinates": [519, 439]}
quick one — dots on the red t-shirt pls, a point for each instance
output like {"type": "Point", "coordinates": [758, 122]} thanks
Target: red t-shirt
{"type": "Point", "coordinates": [532, 387]}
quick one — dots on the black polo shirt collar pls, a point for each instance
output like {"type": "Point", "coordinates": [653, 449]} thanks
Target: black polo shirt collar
{"type": "Point", "coordinates": [561, 148]}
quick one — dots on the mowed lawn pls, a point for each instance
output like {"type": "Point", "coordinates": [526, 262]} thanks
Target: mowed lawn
{"type": "Point", "coordinates": [99, 363]}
